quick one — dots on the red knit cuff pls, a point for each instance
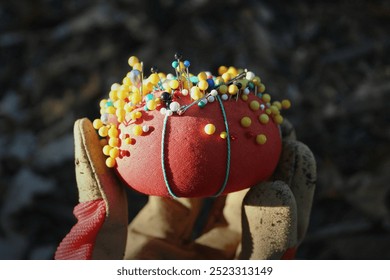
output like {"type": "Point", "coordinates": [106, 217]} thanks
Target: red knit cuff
{"type": "Point", "coordinates": [289, 254]}
{"type": "Point", "coordinates": [79, 243]}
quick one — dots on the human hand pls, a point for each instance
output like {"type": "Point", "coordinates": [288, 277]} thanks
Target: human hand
{"type": "Point", "coordinates": [268, 221]}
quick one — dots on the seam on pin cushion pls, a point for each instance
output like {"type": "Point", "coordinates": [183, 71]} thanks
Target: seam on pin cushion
{"type": "Point", "coordinates": [163, 157]}
{"type": "Point", "coordinates": [223, 187]}
{"type": "Point", "coordinates": [280, 132]}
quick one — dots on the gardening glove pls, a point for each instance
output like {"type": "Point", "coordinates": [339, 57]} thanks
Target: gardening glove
{"type": "Point", "coordinates": [267, 221]}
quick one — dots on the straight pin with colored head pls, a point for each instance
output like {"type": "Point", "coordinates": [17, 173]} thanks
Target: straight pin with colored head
{"type": "Point", "coordinates": [184, 108]}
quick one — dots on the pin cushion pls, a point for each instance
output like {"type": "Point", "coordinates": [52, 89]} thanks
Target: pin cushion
{"type": "Point", "coordinates": [186, 135]}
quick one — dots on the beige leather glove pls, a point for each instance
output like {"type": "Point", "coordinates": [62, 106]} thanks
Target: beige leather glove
{"type": "Point", "coordinates": [268, 221]}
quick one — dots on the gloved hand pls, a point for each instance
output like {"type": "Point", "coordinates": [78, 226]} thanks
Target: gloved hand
{"type": "Point", "coordinates": [268, 221]}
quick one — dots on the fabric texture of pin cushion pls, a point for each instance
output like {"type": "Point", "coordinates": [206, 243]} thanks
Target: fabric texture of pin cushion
{"type": "Point", "coordinates": [185, 135]}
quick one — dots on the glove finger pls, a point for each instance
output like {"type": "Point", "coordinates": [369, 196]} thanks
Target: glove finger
{"type": "Point", "coordinates": [169, 220]}
{"type": "Point", "coordinates": [96, 181]}
{"type": "Point", "coordinates": [297, 168]}
{"type": "Point", "coordinates": [222, 233]}
{"type": "Point", "coordinates": [287, 130]}
{"type": "Point", "coordinates": [269, 221]}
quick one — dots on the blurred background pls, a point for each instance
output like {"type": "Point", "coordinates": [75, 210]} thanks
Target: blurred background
{"type": "Point", "coordinates": [331, 59]}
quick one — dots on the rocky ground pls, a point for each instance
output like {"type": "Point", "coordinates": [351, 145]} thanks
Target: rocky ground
{"type": "Point", "coordinates": [331, 59]}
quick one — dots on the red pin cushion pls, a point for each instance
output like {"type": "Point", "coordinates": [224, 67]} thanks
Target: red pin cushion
{"type": "Point", "coordinates": [164, 140]}
{"type": "Point", "coordinates": [193, 163]}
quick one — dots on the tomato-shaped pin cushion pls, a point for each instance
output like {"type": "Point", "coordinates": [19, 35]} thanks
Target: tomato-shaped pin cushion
{"type": "Point", "coordinates": [185, 135]}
